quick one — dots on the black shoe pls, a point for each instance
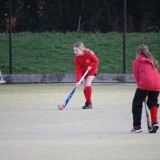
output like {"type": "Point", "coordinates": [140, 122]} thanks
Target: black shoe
{"type": "Point", "coordinates": [87, 106]}
{"type": "Point", "coordinates": [136, 129]}
{"type": "Point", "coordinates": [154, 128]}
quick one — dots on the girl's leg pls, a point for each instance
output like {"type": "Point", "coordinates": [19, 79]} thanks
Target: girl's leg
{"type": "Point", "coordinates": [137, 105]}
{"type": "Point", "coordinates": [88, 91]}
{"type": "Point", "coordinates": [84, 89]}
{"type": "Point", "coordinates": [153, 105]}
{"type": "Point", "coordinates": [89, 88]}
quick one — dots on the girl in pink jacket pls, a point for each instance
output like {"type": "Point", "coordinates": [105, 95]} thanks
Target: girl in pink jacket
{"type": "Point", "coordinates": [145, 70]}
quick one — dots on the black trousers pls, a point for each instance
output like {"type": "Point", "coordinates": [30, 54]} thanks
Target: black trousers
{"type": "Point", "coordinates": [137, 103]}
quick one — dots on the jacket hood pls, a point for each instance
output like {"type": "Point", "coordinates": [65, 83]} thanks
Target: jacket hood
{"type": "Point", "coordinates": [143, 59]}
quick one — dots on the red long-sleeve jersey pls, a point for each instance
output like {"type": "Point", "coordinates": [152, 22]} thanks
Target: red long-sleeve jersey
{"type": "Point", "coordinates": [82, 62]}
{"type": "Point", "coordinates": [145, 75]}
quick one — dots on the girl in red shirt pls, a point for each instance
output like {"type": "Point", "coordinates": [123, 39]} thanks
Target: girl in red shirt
{"type": "Point", "coordinates": [147, 77]}
{"type": "Point", "coordinates": [85, 59]}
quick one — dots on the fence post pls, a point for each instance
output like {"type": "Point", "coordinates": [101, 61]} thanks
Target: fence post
{"type": "Point", "coordinates": [124, 37]}
{"type": "Point", "coordinates": [10, 38]}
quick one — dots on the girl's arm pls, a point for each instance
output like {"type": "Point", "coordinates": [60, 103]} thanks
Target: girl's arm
{"type": "Point", "coordinates": [95, 60]}
{"type": "Point", "coordinates": [135, 72]}
{"type": "Point", "coordinates": [78, 70]}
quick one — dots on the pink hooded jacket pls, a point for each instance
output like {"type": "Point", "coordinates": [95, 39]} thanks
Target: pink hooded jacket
{"type": "Point", "coordinates": [145, 75]}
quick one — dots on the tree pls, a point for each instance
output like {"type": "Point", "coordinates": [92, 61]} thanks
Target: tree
{"type": "Point", "coordinates": [80, 15]}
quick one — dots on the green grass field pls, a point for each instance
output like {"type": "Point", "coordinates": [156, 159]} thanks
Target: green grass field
{"type": "Point", "coordinates": [48, 53]}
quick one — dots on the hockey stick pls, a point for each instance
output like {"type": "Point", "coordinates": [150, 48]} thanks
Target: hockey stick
{"type": "Point", "coordinates": [61, 107]}
{"type": "Point", "coordinates": [147, 116]}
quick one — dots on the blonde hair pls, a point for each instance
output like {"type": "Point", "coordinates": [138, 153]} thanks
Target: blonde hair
{"type": "Point", "coordinates": [144, 50]}
{"type": "Point", "coordinates": [79, 45]}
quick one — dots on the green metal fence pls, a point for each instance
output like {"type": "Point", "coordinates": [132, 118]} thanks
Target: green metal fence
{"type": "Point", "coordinates": [36, 36]}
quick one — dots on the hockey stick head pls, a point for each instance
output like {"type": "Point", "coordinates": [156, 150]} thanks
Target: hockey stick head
{"type": "Point", "coordinates": [60, 107]}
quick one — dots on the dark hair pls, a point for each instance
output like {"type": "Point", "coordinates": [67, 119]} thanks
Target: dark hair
{"type": "Point", "coordinates": [144, 50]}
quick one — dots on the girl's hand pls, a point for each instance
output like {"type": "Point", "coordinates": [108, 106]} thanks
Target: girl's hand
{"type": "Point", "coordinates": [146, 99]}
{"type": "Point", "coordinates": [89, 68]}
{"type": "Point", "coordinates": [77, 84]}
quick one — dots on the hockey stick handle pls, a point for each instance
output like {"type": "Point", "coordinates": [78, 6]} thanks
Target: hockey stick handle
{"type": "Point", "coordinates": [147, 116]}
{"type": "Point", "coordinates": [83, 77]}
{"type": "Point", "coordinates": [75, 88]}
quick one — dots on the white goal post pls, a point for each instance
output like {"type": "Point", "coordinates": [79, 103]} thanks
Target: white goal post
{"type": "Point", "coordinates": [1, 78]}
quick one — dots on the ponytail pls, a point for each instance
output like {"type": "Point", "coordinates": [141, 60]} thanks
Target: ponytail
{"type": "Point", "coordinates": [144, 50]}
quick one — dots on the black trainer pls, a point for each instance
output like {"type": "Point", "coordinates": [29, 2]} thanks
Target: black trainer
{"type": "Point", "coordinates": [87, 106]}
{"type": "Point", "coordinates": [136, 129]}
{"type": "Point", "coordinates": [154, 128]}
